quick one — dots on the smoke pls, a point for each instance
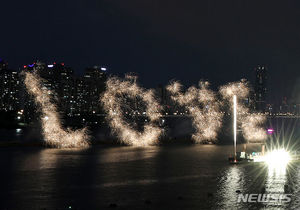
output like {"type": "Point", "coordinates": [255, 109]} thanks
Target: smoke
{"type": "Point", "coordinates": [250, 122]}
{"type": "Point", "coordinates": [53, 132]}
{"type": "Point", "coordinates": [116, 91]}
{"type": "Point", "coordinates": [204, 108]}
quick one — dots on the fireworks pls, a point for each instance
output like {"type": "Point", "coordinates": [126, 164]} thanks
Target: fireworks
{"type": "Point", "coordinates": [116, 90]}
{"type": "Point", "coordinates": [201, 103]}
{"type": "Point", "coordinates": [53, 132]}
{"type": "Point", "coordinates": [202, 106]}
{"type": "Point", "coordinates": [250, 122]}
{"type": "Point", "coordinates": [252, 129]}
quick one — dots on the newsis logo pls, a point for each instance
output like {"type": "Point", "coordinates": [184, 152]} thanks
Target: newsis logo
{"type": "Point", "coordinates": [264, 198]}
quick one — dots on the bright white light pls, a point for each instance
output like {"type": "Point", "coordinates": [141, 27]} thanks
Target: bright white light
{"type": "Point", "coordinates": [234, 122]}
{"type": "Point", "coordinates": [277, 158]}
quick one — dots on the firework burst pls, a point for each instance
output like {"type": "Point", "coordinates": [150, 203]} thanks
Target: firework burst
{"type": "Point", "coordinates": [112, 99]}
{"type": "Point", "coordinates": [251, 123]}
{"type": "Point", "coordinates": [53, 131]}
{"type": "Point", "coordinates": [204, 108]}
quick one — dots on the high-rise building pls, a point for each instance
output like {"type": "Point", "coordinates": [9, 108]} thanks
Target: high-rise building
{"type": "Point", "coordinates": [79, 94]}
{"type": "Point", "coordinates": [59, 81]}
{"type": "Point", "coordinates": [73, 95]}
{"type": "Point", "coordinates": [65, 87]}
{"type": "Point", "coordinates": [28, 104]}
{"type": "Point", "coordinates": [9, 88]}
{"type": "Point", "coordinates": [94, 84]}
{"type": "Point", "coordinates": [260, 88]}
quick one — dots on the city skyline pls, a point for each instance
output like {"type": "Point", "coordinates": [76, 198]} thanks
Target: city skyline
{"type": "Point", "coordinates": [78, 95]}
{"type": "Point", "coordinates": [278, 95]}
{"type": "Point", "coordinates": [269, 97]}
{"type": "Point", "coordinates": [218, 41]}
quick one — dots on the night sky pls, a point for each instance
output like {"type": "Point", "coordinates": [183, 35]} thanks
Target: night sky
{"type": "Point", "coordinates": [218, 40]}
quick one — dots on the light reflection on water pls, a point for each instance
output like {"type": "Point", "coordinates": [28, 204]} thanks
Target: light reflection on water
{"type": "Point", "coordinates": [198, 174]}
{"type": "Point", "coordinates": [258, 178]}
{"type": "Point", "coordinates": [276, 179]}
{"type": "Point", "coordinates": [295, 188]}
{"type": "Point", "coordinates": [276, 184]}
{"type": "Point", "coordinates": [231, 184]}
{"type": "Point", "coordinates": [125, 154]}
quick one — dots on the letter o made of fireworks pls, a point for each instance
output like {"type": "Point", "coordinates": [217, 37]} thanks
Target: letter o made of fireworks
{"type": "Point", "coordinates": [112, 100]}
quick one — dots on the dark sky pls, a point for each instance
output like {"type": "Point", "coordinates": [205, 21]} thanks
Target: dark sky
{"type": "Point", "coordinates": [218, 40]}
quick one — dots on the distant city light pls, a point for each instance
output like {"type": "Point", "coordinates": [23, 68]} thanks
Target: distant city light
{"type": "Point", "coordinates": [270, 131]}
{"type": "Point", "coordinates": [50, 66]}
{"type": "Point", "coordinates": [103, 69]}
{"type": "Point", "coordinates": [25, 66]}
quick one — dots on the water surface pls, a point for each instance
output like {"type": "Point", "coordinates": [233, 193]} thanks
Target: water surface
{"type": "Point", "coordinates": [165, 177]}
